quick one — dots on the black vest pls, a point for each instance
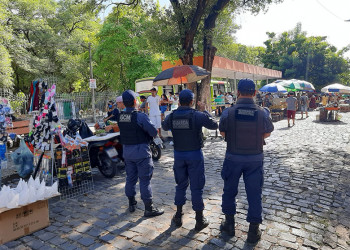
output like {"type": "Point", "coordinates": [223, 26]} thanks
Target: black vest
{"type": "Point", "coordinates": [245, 130]}
{"type": "Point", "coordinates": [130, 132]}
{"type": "Point", "coordinates": [185, 134]}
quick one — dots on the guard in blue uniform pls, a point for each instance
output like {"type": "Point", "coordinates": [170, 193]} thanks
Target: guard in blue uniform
{"type": "Point", "coordinates": [186, 125]}
{"type": "Point", "coordinates": [244, 126]}
{"type": "Point", "coordinates": [136, 132]}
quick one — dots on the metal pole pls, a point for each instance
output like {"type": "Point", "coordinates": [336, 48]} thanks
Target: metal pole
{"type": "Point", "coordinates": [93, 90]}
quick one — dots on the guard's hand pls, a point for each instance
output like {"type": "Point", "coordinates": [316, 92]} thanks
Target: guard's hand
{"type": "Point", "coordinates": [201, 106]}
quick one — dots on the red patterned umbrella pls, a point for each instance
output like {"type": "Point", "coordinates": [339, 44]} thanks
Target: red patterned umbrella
{"type": "Point", "coordinates": [180, 75]}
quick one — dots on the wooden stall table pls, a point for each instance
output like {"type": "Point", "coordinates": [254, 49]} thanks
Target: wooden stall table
{"type": "Point", "coordinates": [329, 114]}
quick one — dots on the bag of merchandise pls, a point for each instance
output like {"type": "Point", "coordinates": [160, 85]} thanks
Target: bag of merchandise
{"type": "Point", "coordinates": [23, 160]}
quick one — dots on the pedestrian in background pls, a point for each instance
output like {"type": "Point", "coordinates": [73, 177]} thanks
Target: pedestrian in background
{"type": "Point", "coordinates": [304, 102]}
{"type": "Point", "coordinates": [186, 125]}
{"type": "Point", "coordinates": [292, 105]}
{"type": "Point", "coordinates": [154, 112]}
{"type": "Point", "coordinates": [244, 127]}
{"type": "Point", "coordinates": [174, 100]}
{"type": "Point", "coordinates": [163, 105]}
{"type": "Point", "coordinates": [143, 104]}
{"type": "Point", "coordinates": [136, 132]}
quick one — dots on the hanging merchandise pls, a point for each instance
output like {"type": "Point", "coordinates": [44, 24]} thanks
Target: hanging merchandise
{"type": "Point", "coordinates": [5, 122]}
{"type": "Point", "coordinates": [59, 157]}
{"type": "Point", "coordinates": [73, 166]}
{"type": "Point", "coordinates": [43, 123]}
{"type": "Point", "coordinates": [37, 94]}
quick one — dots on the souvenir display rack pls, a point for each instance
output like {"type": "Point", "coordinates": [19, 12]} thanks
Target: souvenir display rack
{"type": "Point", "coordinates": [67, 162]}
{"type": "Point", "coordinates": [73, 171]}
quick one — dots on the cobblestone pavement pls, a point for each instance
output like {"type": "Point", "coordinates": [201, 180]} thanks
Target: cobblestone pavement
{"type": "Point", "coordinates": [306, 201]}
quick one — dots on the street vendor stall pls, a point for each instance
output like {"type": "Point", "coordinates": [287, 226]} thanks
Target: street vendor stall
{"type": "Point", "coordinates": [278, 104]}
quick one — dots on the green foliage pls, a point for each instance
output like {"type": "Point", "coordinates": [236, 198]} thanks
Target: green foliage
{"type": "Point", "coordinates": [6, 79]}
{"type": "Point", "coordinates": [241, 53]}
{"type": "Point", "coordinates": [49, 37]}
{"type": "Point", "coordinates": [301, 57]}
{"type": "Point", "coordinates": [18, 102]}
{"type": "Point", "coordinates": [125, 52]}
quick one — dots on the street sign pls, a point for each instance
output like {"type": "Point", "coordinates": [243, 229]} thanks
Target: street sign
{"type": "Point", "coordinates": [92, 84]}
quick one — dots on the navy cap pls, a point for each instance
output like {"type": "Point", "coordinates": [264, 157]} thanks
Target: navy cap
{"type": "Point", "coordinates": [246, 85]}
{"type": "Point", "coordinates": [186, 96]}
{"type": "Point", "coordinates": [129, 96]}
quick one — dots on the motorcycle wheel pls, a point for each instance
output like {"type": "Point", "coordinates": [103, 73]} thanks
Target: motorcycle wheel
{"type": "Point", "coordinates": [108, 168]}
{"type": "Point", "coordinates": [156, 151]}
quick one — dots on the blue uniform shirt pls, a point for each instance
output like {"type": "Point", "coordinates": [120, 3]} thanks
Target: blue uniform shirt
{"type": "Point", "coordinates": [115, 112]}
{"type": "Point", "coordinates": [140, 151]}
{"type": "Point", "coordinates": [268, 128]}
{"type": "Point", "coordinates": [202, 119]}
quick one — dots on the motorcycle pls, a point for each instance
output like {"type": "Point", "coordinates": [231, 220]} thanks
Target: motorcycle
{"type": "Point", "coordinates": [105, 151]}
{"type": "Point", "coordinates": [156, 146]}
{"type": "Point", "coordinates": [104, 155]}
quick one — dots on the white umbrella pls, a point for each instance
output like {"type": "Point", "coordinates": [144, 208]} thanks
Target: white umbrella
{"type": "Point", "coordinates": [336, 87]}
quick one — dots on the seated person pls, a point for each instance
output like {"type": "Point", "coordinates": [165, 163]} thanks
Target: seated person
{"type": "Point", "coordinates": [112, 113]}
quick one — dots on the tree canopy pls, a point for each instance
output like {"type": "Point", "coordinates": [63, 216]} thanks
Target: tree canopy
{"type": "Point", "coordinates": [40, 38]}
{"type": "Point", "coordinates": [302, 57]}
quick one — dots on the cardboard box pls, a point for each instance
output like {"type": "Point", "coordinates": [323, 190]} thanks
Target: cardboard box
{"type": "Point", "coordinates": [18, 222]}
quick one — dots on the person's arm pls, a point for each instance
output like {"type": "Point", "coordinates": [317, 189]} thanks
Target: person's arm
{"type": "Point", "coordinates": [223, 123]}
{"type": "Point", "coordinates": [205, 117]}
{"type": "Point", "coordinates": [268, 125]}
{"type": "Point", "coordinates": [166, 123]}
{"type": "Point", "coordinates": [146, 124]}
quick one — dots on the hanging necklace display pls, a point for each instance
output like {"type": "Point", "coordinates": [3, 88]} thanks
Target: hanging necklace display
{"type": "Point", "coordinates": [5, 122]}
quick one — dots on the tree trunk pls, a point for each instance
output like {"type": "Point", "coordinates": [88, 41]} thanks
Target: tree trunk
{"type": "Point", "coordinates": [209, 50]}
{"type": "Point", "coordinates": [204, 87]}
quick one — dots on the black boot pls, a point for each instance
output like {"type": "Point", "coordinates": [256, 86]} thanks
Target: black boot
{"type": "Point", "coordinates": [177, 218]}
{"type": "Point", "coordinates": [254, 233]}
{"type": "Point", "coordinates": [132, 204]}
{"type": "Point", "coordinates": [151, 211]}
{"type": "Point", "coordinates": [228, 225]}
{"type": "Point", "coordinates": [201, 222]}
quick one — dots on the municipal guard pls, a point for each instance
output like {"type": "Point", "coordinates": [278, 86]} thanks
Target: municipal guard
{"type": "Point", "coordinates": [186, 125]}
{"type": "Point", "coordinates": [244, 126]}
{"type": "Point", "coordinates": [136, 132]}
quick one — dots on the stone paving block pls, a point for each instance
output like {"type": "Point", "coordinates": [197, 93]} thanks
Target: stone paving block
{"type": "Point", "coordinates": [218, 242]}
{"type": "Point", "coordinates": [310, 244]}
{"type": "Point", "coordinates": [300, 233]}
{"type": "Point", "coordinates": [13, 244]}
{"type": "Point", "coordinates": [35, 244]}
{"type": "Point", "coordinates": [288, 237]}
{"type": "Point", "coordinates": [83, 228]}
{"type": "Point", "coordinates": [65, 229]}
{"type": "Point", "coordinates": [121, 243]}
{"type": "Point", "coordinates": [100, 224]}
{"type": "Point", "coordinates": [51, 228]}
{"type": "Point", "coordinates": [107, 237]}
{"type": "Point", "coordinates": [288, 244]}
{"type": "Point", "coordinates": [57, 241]}
{"type": "Point", "coordinates": [68, 246]}
{"type": "Point", "coordinates": [86, 241]}
{"type": "Point", "coordinates": [96, 246]}
{"type": "Point", "coordinates": [202, 237]}
{"type": "Point", "coordinates": [45, 236]}
{"type": "Point", "coordinates": [95, 232]}
{"type": "Point", "coordinates": [74, 236]}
